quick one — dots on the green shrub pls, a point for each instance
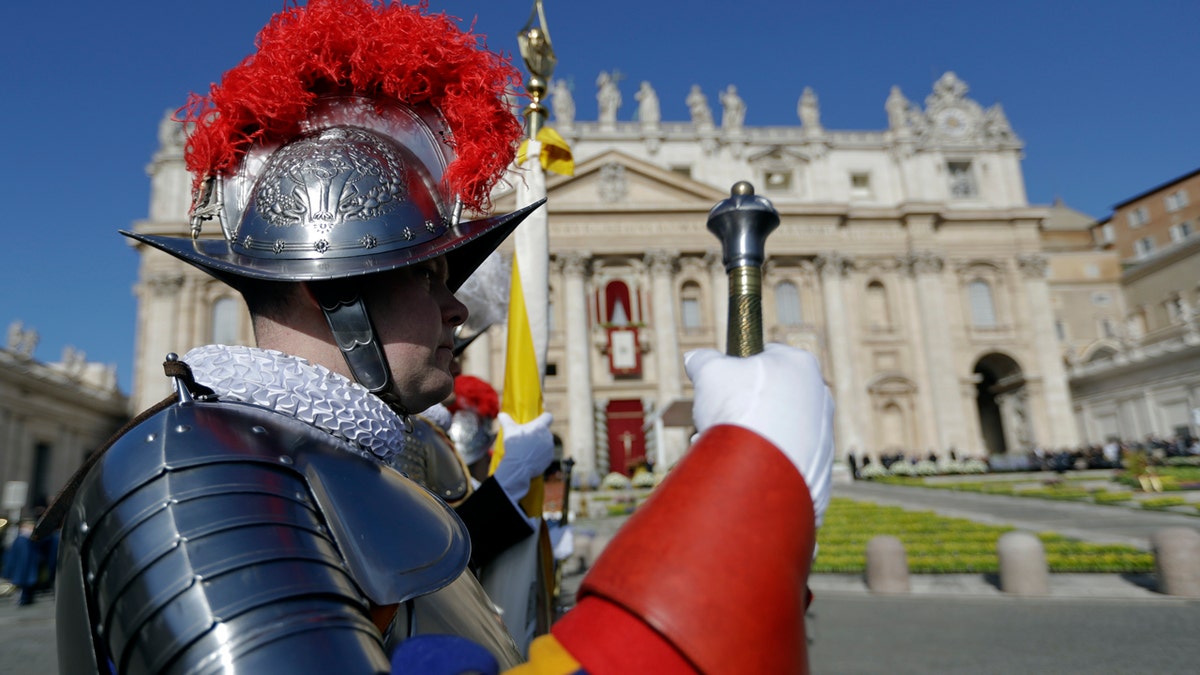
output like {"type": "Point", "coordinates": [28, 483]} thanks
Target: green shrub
{"type": "Point", "coordinates": [1162, 503]}
{"type": "Point", "coordinates": [1107, 497]}
{"type": "Point", "coordinates": [939, 545]}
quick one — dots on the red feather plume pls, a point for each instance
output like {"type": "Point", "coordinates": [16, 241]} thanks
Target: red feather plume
{"type": "Point", "coordinates": [358, 47]}
{"type": "Point", "coordinates": [472, 393]}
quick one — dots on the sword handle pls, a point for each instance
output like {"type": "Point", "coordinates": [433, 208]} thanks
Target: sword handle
{"type": "Point", "coordinates": [742, 223]}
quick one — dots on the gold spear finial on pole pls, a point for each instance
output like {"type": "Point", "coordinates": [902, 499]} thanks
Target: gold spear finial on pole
{"type": "Point", "coordinates": [538, 54]}
{"type": "Point", "coordinates": [742, 223]}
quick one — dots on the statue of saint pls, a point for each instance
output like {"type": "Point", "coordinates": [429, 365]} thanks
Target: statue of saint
{"type": "Point", "coordinates": [562, 102]}
{"type": "Point", "coordinates": [608, 97]}
{"type": "Point", "coordinates": [809, 110]}
{"type": "Point", "coordinates": [897, 110]}
{"type": "Point", "coordinates": [649, 113]}
{"type": "Point", "coordinates": [733, 109]}
{"type": "Point", "coordinates": [697, 104]}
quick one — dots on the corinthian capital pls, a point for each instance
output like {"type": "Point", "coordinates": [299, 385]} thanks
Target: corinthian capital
{"type": "Point", "coordinates": [832, 263]}
{"type": "Point", "coordinates": [575, 263]}
{"type": "Point", "coordinates": [163, 285]}
{"type": "Point", "coordinates": [661, 261]}
{"type": "Point", "coordinates": [922, 262]}
{"type": "Point", "coordinates": [1033, 265]}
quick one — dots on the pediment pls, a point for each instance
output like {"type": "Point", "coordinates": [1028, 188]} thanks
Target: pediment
{"type": "Point", "coordinates": [778, 155]}
{"type": "Point", "coordinates": [616, 181]}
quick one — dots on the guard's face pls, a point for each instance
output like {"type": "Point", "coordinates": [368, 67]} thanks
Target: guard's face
{"type": "Point", "coordinates": [415, 315]}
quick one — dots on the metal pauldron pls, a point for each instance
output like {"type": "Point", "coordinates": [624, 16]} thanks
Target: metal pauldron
{"type": "Point", "coordinates": [220, 537]}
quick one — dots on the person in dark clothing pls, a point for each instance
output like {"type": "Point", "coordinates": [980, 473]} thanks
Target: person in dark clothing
{"type": "Point", "coordinates": [22, 563]}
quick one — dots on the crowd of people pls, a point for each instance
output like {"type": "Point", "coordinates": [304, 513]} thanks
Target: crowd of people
{"type": "Point", "coordinates": [1108, 455]}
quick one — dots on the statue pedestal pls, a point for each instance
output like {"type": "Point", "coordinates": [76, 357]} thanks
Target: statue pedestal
{"type": "Point", "coordinates": [841, 473]}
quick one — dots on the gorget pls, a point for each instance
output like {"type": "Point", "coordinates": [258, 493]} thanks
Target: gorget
{"type": "Point", "coordinates": [308, 392]}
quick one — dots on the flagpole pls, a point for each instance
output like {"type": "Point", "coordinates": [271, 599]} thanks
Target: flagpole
{"type": "Point", "coordinates": [532, 240]}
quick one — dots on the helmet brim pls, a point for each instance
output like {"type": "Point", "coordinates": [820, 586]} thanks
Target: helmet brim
{"type": "Point", "coordinates": [465, 246]}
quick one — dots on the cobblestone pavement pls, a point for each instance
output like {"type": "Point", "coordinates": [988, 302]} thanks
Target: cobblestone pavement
{"type": "Point", "coordinates": [27, 637]}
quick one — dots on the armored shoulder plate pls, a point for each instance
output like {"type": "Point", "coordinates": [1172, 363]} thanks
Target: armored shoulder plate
{"type": "Point", "coordinates": [216, 537]}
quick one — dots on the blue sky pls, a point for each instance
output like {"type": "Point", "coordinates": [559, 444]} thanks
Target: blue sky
{"type": "Point", "coordinates": [1104, 94]}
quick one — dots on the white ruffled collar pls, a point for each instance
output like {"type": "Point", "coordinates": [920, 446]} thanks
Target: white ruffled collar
{"type": "Point", "coordinates": [308, 392]}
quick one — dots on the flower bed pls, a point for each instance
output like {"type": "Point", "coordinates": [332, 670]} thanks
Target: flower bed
{"type": "Point", "coordinates": [936, 544]}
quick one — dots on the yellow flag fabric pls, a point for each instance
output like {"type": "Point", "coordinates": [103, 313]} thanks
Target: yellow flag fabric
{"type": "Point", "coordinates": [555, 155]}
{"type": "Point", "coordinates": [522, 398]}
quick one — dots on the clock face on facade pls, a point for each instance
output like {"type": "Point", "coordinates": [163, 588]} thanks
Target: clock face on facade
{"type": "Point", "coordinates": [953, 122]}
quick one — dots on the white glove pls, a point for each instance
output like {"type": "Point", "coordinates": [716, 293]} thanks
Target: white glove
{"type": "Point", "coordinates": [778, 394]}
{"type": "Point", "coordinates": [528, 451]}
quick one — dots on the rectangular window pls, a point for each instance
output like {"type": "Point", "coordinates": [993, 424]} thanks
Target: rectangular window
{"type": "Point", "coordinates": [962, 180]}
{"type": "Point", "coordinates": [778, 181]}
{"type": "Point", "coordinates": [1144, 246]}
{"type": "Point", "coordinates": [1176, 200]}
{"type": "Point", "coordinates": [1060, 329]}
{"type": "Point", "coordinates": [691, 313]}
{"type": "Point", "coordinates": [1174, 309]}
{"type": "Point", "coordinates": [983, 310]}
{"type": "Point", "coordinates": [1106, 233]}
{"type": "Point", "coordinates": [1181, 231]}
{"type": "Point", "coordinates": [1138, 217]}
{"type": "Point", "coordinates": [1108, 328]}
{"type": "Point", "coordinates": [860, 185]}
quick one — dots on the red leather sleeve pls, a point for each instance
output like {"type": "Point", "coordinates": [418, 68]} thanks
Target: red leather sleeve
{"type": "Point", "coordinates": [716, 562]}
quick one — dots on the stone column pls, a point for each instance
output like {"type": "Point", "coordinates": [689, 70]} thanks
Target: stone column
{"type": "Point", "coordinates": [581, 434]}
{"type": "Point", "coordinates": [834, 267]}
{"type": "Point", "coordinates": [158, 300]}
{"type": "Point", "coordinates": [478, 358]}
{"type": "Point", "coordinates": [1056, 395]}
{"type": "Point", "coordinates": [719, 281]}
{"type": "Point", "coordinates": [666, 346]}
{"type": "Point", "coordinates": [927, 269]}
{"type": "Point", "coordinates": [916, 327]}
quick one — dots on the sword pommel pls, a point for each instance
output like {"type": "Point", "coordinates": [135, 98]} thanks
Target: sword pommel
{"type": "Point", "coordinates": [742, 223]}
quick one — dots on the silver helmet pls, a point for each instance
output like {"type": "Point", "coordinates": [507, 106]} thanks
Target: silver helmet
{"type": "Point", "coordinates": [357, 192]}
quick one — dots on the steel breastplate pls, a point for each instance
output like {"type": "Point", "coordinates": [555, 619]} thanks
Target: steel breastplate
{"type": "Point", "coordinates": [215, 537]}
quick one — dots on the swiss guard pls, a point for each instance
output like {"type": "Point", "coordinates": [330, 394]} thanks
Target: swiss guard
{"type": "Point", "coordinates": [255, 520]}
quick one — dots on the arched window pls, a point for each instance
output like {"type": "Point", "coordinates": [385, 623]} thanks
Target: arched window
{"type": "Point", "coordinates": [879, 315]}
{"type": "Point", "coordinates": [983, 309]}
{"type": "Point", "coordinates": [616, 303]}
{"type": "Point", "coordinates": [689, 307]}
{"type": "Point", "coordinates": [225, 321]}
{"type": "Point", "coordinates": [787, 304]}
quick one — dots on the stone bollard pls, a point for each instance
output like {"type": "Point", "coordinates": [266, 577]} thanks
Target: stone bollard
{"type": "Point", "coordinates": [1023, 569]}
{"type": "Point", "coordinates": [1177, 561]}
{"type": "Point", "coordinates": [887, 565]}
{"type": "Point", "coordinates": [597, 546]}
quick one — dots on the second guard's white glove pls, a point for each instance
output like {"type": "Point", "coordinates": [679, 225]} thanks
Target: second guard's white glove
{"type": "Point", "coordinates": [778, 394]}
{"type": "Point", "coordinates": [528, 451]}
